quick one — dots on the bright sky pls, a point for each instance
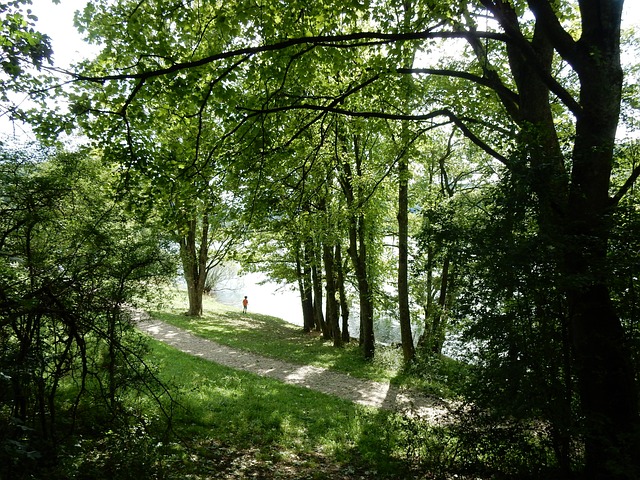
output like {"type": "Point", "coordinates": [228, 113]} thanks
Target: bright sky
{"type": "Point", "coordinates": [57, 22]}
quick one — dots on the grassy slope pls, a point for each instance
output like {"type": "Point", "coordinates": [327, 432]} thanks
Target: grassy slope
{"type": "Point", "coordinates": [273, 337]}
{"type": "Point", "coordinates": [237, 425]}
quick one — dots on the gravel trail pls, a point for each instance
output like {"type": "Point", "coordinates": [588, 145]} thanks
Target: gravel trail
{"type": "Point", "coordinates": [363, 392]}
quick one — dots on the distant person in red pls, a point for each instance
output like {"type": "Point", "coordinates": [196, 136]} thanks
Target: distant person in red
{"type": "Point", "coordinates": [245, 302]}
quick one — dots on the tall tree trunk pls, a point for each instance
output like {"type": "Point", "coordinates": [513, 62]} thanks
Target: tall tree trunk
{"type": "Point", "coordinates": [423, 341]}
{"type": "Point", "coordinates": [437, 327]}
{"type": "Point", "coordinates": [112, 357]}
{"type": "Point", "coordinates": [331, 302]}
{"type": "Point", "coordinates": [316, 277]}
{"type": "Point", "coordinates": [404, 315]}
{"type": "Point", "coordinates": [358, 252]}
{"type": "Point", "coordinates": [539, 143]}
{"type": "Point", "coordinates": [575, 216]}
{"type": "Point", "coordinates": [194, 262]}
{"type": "Point", "coordinates": [358, 248]}
{"type": "Point", "coordinates": [303, 271]}
{"type": "Point", "coordinates": [608, 389]}
{"type": "Point", "coordinates": [344, 302]}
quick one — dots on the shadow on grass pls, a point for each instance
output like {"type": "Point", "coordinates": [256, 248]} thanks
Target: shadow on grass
{"type": "Point", "coordinates": [275, 338]}
{"type": "Point", "coordinates": [278, 424]}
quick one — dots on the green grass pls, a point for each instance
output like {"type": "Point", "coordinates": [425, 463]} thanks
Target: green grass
{"type": "Point", "coordinates": [275, 338]}
{"type": "Point", "coordinates": [229, 424]}
{"type": "Point", "coordinates": [216, 422]}
{"type": "Point", "coordinates": [222, 410]}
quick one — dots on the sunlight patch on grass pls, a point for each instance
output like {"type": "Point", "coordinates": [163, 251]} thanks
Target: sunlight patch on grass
{"type": "Point", "coordinates": [276, 421]}
{"type": "Point", "coordinates": [275, 338]}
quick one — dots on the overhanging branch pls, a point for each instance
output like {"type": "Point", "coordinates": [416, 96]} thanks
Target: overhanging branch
{"type": "Point", "coordinates": [500, 89]}
{"type": "Point", "coordinates": [324, 40]}
{"type": "Point", "coordinates": [443, 112]}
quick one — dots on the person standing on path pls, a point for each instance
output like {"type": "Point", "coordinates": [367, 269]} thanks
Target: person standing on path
{"type": "Point", "coordinates": [245, 302]}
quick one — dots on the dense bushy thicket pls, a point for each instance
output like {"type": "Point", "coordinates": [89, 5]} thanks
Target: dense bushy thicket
{"type": "Point", "coordinates": [73, 264]}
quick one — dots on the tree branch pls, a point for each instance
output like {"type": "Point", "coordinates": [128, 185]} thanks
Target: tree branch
{"type": "Point", "coordinates": [444, 112]}
{"type": "Point", "coordinates": [615, 200]}
{"type": "Point", "coordinates": [500, 89]}
{"type": "Point", "coordinates": [515, 35]}
{"type": "Point", "coordinates": [324, 40]}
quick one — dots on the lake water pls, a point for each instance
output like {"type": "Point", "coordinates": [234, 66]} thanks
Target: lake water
{"type": "Point", "coordinates": [283, 301]}
{"type": "Point", "coordinates": [267, 298]}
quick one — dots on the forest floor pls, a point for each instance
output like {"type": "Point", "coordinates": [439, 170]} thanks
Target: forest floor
{"type": "Point", "coordinates": [364, 392]}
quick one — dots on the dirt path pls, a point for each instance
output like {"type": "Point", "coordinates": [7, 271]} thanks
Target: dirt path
{"type": "Point", "coordinates": [364, 392]}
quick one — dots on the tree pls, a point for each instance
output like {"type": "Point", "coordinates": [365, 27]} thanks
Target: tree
{"type": "Point", "coordinates": [353, 184]}
{"type": "Point", "coordinates": [406, 60]}
{"type": "Point", "coordinates": [574, 208]}
{"type": "Point", "coordinates": [568, 164]}
{"type": "Point", "coordinates": [23, 51]}
{"type": "Point", "coordinates": [170, 182]}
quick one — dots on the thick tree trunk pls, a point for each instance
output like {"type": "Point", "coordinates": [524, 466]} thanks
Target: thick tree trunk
{"type": "Point", "coordinates": [195, 299]}
{"type": "Point", "coordinates": [607, 386]}
{"type": "Point", "coordinates": [575, 218]}
{"type": "Point", "coordinates": [608, 389]}
{"type": "Point", "coordinates": [194, 263]}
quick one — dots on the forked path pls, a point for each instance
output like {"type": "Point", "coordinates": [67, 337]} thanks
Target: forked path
{"type": "Point", "coordinates": [363, 392]}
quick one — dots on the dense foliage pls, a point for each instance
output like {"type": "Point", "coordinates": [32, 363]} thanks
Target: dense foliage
{"type": "Point", "coordinates": [73, 263]}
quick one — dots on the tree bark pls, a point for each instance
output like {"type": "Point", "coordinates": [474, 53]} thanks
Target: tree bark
{"type": "Point", "coordinates": [404, 315]}
{"type": "Point", "coordinates": [427, 306]}
{"type": "Point", "coordinates": [331, 303]}
{"type": "Point", "coordinates": [303, 271]}
{"type": "Point", "coordinates": [608, 390]}
{"type": "Point", "coordinates": [358, 249]}
{"type": "Point", "coordinates": [358, 252]}
{"type": "Point", "coordinates": [575, 215]}
{"type": "Point", "coordinates": [194, 262]}
{"type": "Point", "coordinates": [437, 326]}
{"type": "Point", "coordinates": [344, 302]}
{"type": "Point", "coordinates": [316, 277]}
